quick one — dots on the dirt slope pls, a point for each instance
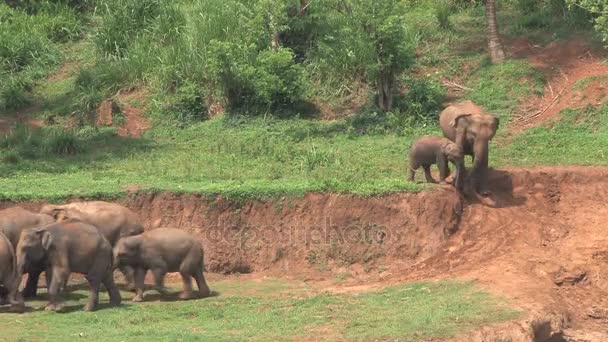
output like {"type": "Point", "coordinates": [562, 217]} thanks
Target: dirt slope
{"type": "Point", "coordinates": [545, 247]}
{"type": "Point", "coordinates": [575, 74]}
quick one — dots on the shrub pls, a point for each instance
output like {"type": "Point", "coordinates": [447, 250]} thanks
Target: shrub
{"type": "Point", "coordinates": [423, 99]}
{"type": "Point", "coordinates": [187, 105]}
{"type": "Point", "coordinates": [442, 12]}
{"type": "Point", "coordinates": [60, 141]}
{"type": "Point", "coordinates": [123, 21]}
{"type": "Point", "coordinates": [12, 94]}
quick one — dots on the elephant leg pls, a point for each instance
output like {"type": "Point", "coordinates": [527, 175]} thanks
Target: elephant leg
{"type": "Point", "coordinates": [108, 282]}
{"type": "Point", "coordinates": [159, 280]}
{"type": "Point", "coordinates": [4, 293]}
{"type": "Point", "coordinates": [94, 282]}
{"type": "Point", "coordinates": [140, 277]}
{"type": "Point", "coordinates": [31, 287]}
{"type": "Point", "coordinates": [482, 183]}
{"type": "Point", "coordinates": [57, 281]}
{"type": "Point", "coordinates": [127, 271]}
{"type": "Point", "coordinates": [411, 174]}
{"type": "Point", "coordinates": [187, 292]}
{"type": "Point", "coordinates": [427, 174]}
{"type": "Point", "coordinates": [203, 289]}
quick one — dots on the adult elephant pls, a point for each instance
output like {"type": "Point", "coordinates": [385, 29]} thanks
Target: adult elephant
{"type": "Point", "coordinates": [112, 220]}
{"type": "Point", "coordinates": [472, 128]}
{"type": "Point", "coordinates": [70, 246]}
{"type": "Point", "coordinates": [12, 222]}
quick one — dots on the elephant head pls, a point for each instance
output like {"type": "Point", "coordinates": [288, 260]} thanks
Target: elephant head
{"type": "Point", "coordinates": [127, 251]}
{"type": "Point", "coordinates": [33, 246]}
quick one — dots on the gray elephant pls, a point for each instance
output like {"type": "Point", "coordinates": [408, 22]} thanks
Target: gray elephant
{"type": "Point", "coordinates": [163, 250]}
{"type": "Point", "coordinates": [472, 128]}
{"type": "Point", "coordinates": [113, 221]}
{"type": "Point", "coordinates": [10, 278]}
{"type": "Point", "coordinates": [429, 150]}
{"type": "Point", "coordinates": [70, 246]}
{"type": "Point", "coordinates": [12, 222]}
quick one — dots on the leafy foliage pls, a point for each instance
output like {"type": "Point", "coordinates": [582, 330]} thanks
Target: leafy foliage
{"type": "Point", "coordinates": [599, 10]}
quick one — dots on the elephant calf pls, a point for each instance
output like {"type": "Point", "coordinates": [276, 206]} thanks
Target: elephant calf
{"type": "Point", "coordinates": [430, 150]}
{"type": "Point", "coordinates": [10, 277]}
{"type": "Point", "coordinates": [70, 246]}
{"type": "Point", "coordinates": [163, 250]}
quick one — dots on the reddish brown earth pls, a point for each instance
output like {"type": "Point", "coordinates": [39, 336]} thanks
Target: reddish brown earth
{"type": "Point", "coordinates": [544, 247]}
{"type": "Point", "coordinates": [564, 63]}
{"type": "Point", "coordinates": [130, 104]}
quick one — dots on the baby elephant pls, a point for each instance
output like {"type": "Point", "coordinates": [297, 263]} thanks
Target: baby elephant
{"type": "Point", "coordinates": [163, 250]}
{"type": "Point", "coordinates": [430, 150]}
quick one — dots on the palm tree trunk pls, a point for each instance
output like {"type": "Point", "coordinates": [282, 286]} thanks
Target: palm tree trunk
{"type": "Point", "coordinates": [497, 54]}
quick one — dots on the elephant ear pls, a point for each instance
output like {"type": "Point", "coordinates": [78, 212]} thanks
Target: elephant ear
{"type": "Point", "coordinates": [45, 238]}
{"type": "Point", "coordinates": [454, 122]}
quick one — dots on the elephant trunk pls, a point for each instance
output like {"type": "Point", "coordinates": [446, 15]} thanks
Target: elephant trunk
{"type": "Point", "coordinates": [480, 167]}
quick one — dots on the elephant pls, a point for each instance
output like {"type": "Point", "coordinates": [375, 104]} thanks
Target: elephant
{"type": "Point", "coordinates": [12, 222]}
{"type": "Point", "coordinates": [70, 246]}
{"type": "Point", "coordinates": [163, 250]}
{"type": "Point", "coordinates": [429, 150]}
{"type": "Point", "coordinates": [10, 277]}
{"type": "Point", "coordinates": [113, 221]}
{"type": "Point", "coordinates": [472, 128]}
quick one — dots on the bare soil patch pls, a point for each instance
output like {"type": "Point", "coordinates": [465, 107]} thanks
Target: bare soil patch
{"type": "Point", "coordinates": [130, 105]}
{"type": "Point", "coordinates": [564, 63]}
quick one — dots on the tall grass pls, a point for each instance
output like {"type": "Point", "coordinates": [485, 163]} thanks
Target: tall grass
{"type": "Point", "coordinates": [29, 49]}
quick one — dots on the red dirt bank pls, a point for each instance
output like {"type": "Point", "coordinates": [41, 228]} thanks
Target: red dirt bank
{"type": "Point", "coordinates": [545, 247]}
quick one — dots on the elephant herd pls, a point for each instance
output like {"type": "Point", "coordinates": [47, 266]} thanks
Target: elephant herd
{"type": "Point", "coordinates": [91, 238]}
{"type": "Point", "coordinates": [467, 130]}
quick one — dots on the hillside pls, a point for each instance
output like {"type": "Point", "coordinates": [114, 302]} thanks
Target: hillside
{"type": "Point", "coordinates": [264, 128]}
{"type": "Point", "coordinates": [141, 143]}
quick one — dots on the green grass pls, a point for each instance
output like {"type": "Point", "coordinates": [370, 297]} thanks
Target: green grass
{"type": "Point", "coordinates": [255, 158]}
{"type": "Point", "coordinates": [260, 311]}
{"type": "Point", "coordinates": [579, 138]}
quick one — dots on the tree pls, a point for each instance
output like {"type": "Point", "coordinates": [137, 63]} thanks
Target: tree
{"type": "Point", "coordinates": [383, 22]}
{"type": "Point", "coordinates": [599, 11]}
{"type": "Point", "coordinates": [497, 53]}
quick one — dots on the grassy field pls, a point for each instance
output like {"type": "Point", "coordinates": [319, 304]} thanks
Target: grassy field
{"type": "Point", "coordinates": [269, 310]}
{"type": "Point", "coordinates": [268, 158]}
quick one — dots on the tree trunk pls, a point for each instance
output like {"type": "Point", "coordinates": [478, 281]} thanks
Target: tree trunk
{"type": "Point", "coordinates": [497, 54]}
{"type": "Point", "coordinates": [385, 90]}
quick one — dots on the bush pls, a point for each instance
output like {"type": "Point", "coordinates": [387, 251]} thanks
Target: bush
{"type": "Point", "coordinates": [12, 94]}
{"type": "Point", "coordinates": [23, 142]}
{"type": "Point", "coordinates": [60, 22]}
{"type": "Point", "coordinates": [423, 99]}
{"type": "Point", "coordinates": [442, 13]}
{"type": "Point", "coordinates": [61, 142]}
{"type": "Point", "coordinates": [186, 106]}
{"type": "Point", "coordinates": [124, 21]}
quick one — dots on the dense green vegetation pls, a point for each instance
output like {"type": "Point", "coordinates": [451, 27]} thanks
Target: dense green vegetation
{"type": "Point", "coordinates": [272, 310]}
{"type": "Point", "coordinates": [275, 68]}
